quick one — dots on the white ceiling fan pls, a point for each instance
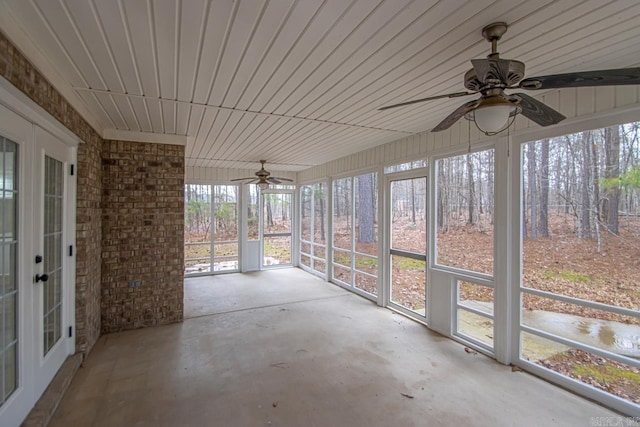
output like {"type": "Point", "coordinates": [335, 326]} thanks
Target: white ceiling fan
{"type": "Point", "coordinates": [495, 110]}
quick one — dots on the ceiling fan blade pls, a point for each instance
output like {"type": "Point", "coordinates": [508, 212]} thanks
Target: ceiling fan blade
{"type": "Point", "coordinates": [279, 178]}
{"type": "Point", "coordinates": [456, 115]}
{"type": "Point", "coordinates": [619, 76]}
{"type": "Point", "coordinates": [274, 180]}
{"type": "Point", "coordinates": [243, 179]}
{"type": "Point", "coordinates": [536, 111]}
{"type": "Point", "coordinates": [491, 69]}
{"type": "Point", "coordinates": [415, 101]}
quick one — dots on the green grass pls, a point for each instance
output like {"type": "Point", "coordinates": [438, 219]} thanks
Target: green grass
{"type": "Point", "coordinates": [606, 374]}
{"type": "Point", "coordinates": [408, 263]}
{"type": "Point", "coordinates": [567, 275]}
{"type": "Point", "coordinates": [340, 258]}
{"type": "Point", "coordinates": [276, 251]}
{"type": "Point", "coordinates": [366, 263]}
{"type": "Point", "coordinates": [362, 263]}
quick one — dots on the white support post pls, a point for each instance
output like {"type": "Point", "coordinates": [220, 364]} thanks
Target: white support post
{"type": "Point", "coordinates": [502, 254]}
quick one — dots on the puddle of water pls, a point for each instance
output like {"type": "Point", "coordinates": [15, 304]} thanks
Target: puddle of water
{"type": "Point", "coordinates": [616, 337]}
{"type": "Point", "coordinates": [607, 336]}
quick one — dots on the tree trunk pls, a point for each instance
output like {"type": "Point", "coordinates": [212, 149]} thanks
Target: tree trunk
{"type": "Point", "coordinates": [544, 188]}
{"type": "Point", "coordinates": [480, 192]}
{"type": "Point", "coordinates": [533, 193]}
{"type": "Point", "coordinates": [413, 203]}
{"type": "Point", "coordinates": [365, 209]}
{"type": "Point", "coordinates": [285, 206]}
{"type": "Point", "coordinates": [347, 201]}
{"type": "Point", "coordinates": [524, 213]}
{"type": "Point", "coordinates": [269, 212]}
{"type": "Point", "coordinates": [443, 183]}
{"type": "Point", "coordinates": [595, 178]}
{"type": "Point", "coordinates": [491, 187]}
{"type": "Point", "coordinates": [322, 231]}
{"type": "Point", "coordinates": [472, 189]}
{"type": "Point", "coordinates": [612, 172]}
{"type": "Point", "coordinates": [585, 206]}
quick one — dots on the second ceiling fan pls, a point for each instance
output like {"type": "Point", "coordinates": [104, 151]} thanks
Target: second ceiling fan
{"type": "Point", "coordinates": [490, 78]}
{"type": "Point", "coordinates": [263, 178]}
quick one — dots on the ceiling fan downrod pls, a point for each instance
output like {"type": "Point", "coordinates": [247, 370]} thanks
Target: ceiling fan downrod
{"type": "Point", "coordinates": [493, 33]}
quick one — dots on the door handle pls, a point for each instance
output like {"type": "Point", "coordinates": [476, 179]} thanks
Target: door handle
{"type": "Point", "coordinates": [43, 278]}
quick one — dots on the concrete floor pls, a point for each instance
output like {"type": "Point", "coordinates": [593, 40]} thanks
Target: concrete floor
{"type": "Point", "coordinates": [284, 348]}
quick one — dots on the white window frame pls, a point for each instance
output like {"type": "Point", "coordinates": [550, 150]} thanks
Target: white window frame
{"type": "Point", "coordinates": [352, 252]}
{"type": "Point", "coordinates": [312, 257]}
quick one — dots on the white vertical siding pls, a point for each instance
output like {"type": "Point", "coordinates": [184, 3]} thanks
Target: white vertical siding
{"type": "Point", "coordinates": [584, 107]}
{"type": "Point", "coordinates": [201, 175]}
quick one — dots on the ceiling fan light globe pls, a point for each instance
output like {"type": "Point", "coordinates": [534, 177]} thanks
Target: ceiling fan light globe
{"type": "Point", "coordinates": [492, 118]}
{"type": "Point", "coordinates": [263, 185]}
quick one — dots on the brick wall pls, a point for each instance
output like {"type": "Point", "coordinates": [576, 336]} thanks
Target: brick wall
{"type": "Point", "coordinates": [129, 218]}
{"type": "Point", "coordinates": [20, 72]}
{"type": "Point", "coordinates": [142, 234]}
{"type": "Point", "coordinates": [88, 244]}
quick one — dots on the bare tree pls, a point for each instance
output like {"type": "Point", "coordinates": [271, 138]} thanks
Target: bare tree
{"type": "Point", "coordinates": [585, 180]}
{"type": "Point", "coordinates": [612, 172]}
{"type": "Point", "coordinates": [413, 203]}
{"type": "Point", "coordinates": [443, 194]}
{"type": "Point", "coordinates": [320, 194]}
{"type": "Point", "coordinates": [533, 194]}
{"type": "Point", "coordinates": [365, 209]}
{"type": "Point", "coordinates": [543, 230]}
{"type": "Point", "coordinates": [267, 200]}
{"type": "Point", "coordinates": [472, 190]}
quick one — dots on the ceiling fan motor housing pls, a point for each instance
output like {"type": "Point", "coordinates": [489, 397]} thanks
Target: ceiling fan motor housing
{"type": "Point", "coordinates": [492, 78]}
{"type": "Point", "coordinates": [263, 173]}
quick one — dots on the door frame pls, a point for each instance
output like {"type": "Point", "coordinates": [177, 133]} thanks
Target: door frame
{"type": "Point", "coordinates": [239, 194]}
{"type": "Point", "coordinates": [292, 227]}
{"type": "Point", "coordinates": [19, 403]}
{"type": "Point", "coordinates": [25, 117]}
{"type": "Point", "coordinates": [386, 291]}
{"type": "Point", "coordinates": [47, 145]}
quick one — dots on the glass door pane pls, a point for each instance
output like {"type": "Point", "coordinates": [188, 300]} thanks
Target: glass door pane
{"type": "Point", "coordinates": [225, 228]}
{"type": "Point", "coordinates": [8, 263]}
{"type": "Point", "coordinates": [52, 288]}
{"type": "Point", "coordinates": [408, 244]}
{"type": "Point", "coordinates": [276, 229]}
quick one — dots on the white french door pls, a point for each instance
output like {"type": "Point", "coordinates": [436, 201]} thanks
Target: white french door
{"type": "Point", "coordinates": [37, 214]}
{"type": "Point", "coordinates": [52, 215]}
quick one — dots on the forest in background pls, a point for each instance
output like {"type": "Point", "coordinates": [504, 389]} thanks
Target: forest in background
{"type": "Point", "coordinates": [592, 177]}
{"type": "Point", "coordinates": [581, 216]}
{"type": "Point", "coordinates": [210, 211]}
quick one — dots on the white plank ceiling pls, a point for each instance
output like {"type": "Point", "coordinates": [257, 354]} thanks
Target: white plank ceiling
{"type": "Point", "coordinates": [298, 82]}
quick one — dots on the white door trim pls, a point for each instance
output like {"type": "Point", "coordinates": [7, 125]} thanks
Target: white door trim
{"type": "Point", "coordinates": [22, 121]}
